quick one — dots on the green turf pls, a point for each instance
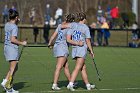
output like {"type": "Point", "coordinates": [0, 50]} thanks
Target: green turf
{"type": "Point", "coordinates": [119, 68]}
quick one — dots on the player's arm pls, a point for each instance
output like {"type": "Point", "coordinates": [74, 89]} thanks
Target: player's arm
{"type": "Point", "coordinates": [52, 38]}
{"type": "Point", "coordinates": [15, 41]}
{"type": "Point", "coordinates": [69, 40]}
{"type": "Point", "coordinates": [88, 41]}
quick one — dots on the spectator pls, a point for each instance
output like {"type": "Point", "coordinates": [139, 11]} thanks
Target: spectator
{"type": "Point", "coordinates": [99, 34]}
{"type": "Point", "coordinates": [32, 14]}
{"type": "Point", "coordinates": [13, 7]}
{"type": "Point", "coordinates": [35, 32]}
{"type": "Point", "coordinates": [108, 16]}
{"type": "Point", "coordinates": [135, 36]}
{"type": "Point", "coordinates": [125, 19]}
{"type": "Point", "coordinates": [92, 32]}
{"type": "Point", "coordinates": [115, 15]}
{"type": "Point", "coordinates": [100, 13]}
{"type": "Point", "coordinates": [5, 14]}
{"type": "Point", "coordinates": [135, 31]}
{"type": "Point", "coordinates": [106, 32]}
{"type": "Point", "coordinates": [46, 32]}
{"type": "Point", "coordinates": [48, 13]}
{"type": "Point", "coordinates": [58, 16]}
{"type": "Point", "coordinates": [138, 38]}
{"type": "Point", "coordinates": [52, 22]}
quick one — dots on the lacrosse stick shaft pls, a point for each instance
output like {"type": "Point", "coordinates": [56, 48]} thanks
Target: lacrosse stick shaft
{"type": "Point", "coordinates": [96, 70]}
{"type": "Point", "coordinates": [21, 52]}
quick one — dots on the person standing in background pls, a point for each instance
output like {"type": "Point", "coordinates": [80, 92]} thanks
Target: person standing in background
{"type": "Point", "coordinates": [46, 31]}
{"type": "Point", "coordinates": [100, 13]}
{"type": "Point", "coordinates": [115, 15]}
{"type": "Point", "coordinates": [99, 34]}
{"type": "Point", "coordinates": [92, 32]}
{"type": "Point", "coordinates": [48, 13]}
{"type": "Point", "coordinates": [32, 14]}
{"type": "Point", "coordinates": [35, 32]}
{"type": "Point", "coordinates": [58, 16]}
{"type": "Point", "coordinates": [13, 7]}
{"type": "Point", "coordinates": [5, 14]}
{"type": "Point", "coordinates": [106, 33]}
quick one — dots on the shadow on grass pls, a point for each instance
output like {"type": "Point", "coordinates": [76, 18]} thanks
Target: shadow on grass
{"type": "Point", "coordinates": [79, 85]}
{"type": "Point", "coordinates": [17, 86]}
{"type": "Point", "coordinates": [20, 85]}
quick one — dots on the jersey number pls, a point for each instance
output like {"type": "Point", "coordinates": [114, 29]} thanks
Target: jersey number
{"type": "Point", "coordinates": [7, 35]}
{"type": "Point", "coordinates": [76, 35]}
{"type": "Point", "coordinates": [60, 35]}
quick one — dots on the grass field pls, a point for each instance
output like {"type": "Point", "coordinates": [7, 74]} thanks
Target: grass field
{"type": "Point", "coordinates": [119, 68]}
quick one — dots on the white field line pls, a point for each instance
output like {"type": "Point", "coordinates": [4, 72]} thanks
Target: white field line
{"type": "Point", "coordinates": [84, 90]}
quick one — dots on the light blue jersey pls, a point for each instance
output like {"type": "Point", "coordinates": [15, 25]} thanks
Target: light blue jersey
{"type": "Point", "coordinates": [10, 49]}
{"type": "Point", "coordinates": [10, 30]}
{"type": "Point", "coordinates": [60, 46]}
{"type": "Point", "coordinates": [79, 33]}
{"type": "Point", "coordinates": [61, 37]}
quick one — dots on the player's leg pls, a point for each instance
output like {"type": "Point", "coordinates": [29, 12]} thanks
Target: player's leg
{"type": "Point", "coordinates": [13, 65]}
{"type": "Point", "coordinates": [7, 82]}
{"type": "Point", "coordinates": [66, 70]}
{"type": "Point", "coordinates": [60, 63]}
{"type": "Point", "coordinates": [85, 78]}
{"type": "Point", "coordinates": [67, 73]}
{"type": "Point", "coordinates": [79, 64]}
{"type": "Point", "coordinates": [10, 73]}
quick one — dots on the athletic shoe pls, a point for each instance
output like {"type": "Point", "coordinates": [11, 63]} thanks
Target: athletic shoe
{"type": "Point", "coordinates": [12, 91]}
{"type": "Point", "coordinates": [90, 87]}
{"type": "Point", "coordinates": [75, 84]}
{"type": "Point", "coordinates": [3, 84]}
{"type": "Point", "coordinates": [70, 88]}
{"type": "Point", "coordinates": [55, 87]}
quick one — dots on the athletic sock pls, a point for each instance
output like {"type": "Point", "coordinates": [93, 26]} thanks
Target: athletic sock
{"type": "Point", "coordinates": [87, 85]}
{"type": "Point", "coordinates": [71, 84]}
{"type": "Point", "coordinates": [8, 83]}
{"type": "Point", "coordinates": [54, 84]}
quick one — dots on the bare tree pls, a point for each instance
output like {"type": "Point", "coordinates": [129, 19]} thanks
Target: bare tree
{"type": "Point", "coordinates": [21, 5]}
{"type": "Point", "coordinates": [96, 3]}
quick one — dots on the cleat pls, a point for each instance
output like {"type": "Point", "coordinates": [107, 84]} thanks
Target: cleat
{"type": "Point", "coordinates": [55, 88]}
{"type": "Point", "coordinates": [75, 84]}
{"type": "Point", "coordinates": [90, 87]}
{"type": "Point", "coordinates": [12, 91]}
{"type": "Point", "coordinates": [3, 84]}
{"type": "Point", "coordinates": [70, 88]}
{"type": "Point", "coordinates": [3, 87]}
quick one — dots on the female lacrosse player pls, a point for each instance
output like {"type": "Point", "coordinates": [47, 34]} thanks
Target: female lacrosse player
{"type": "Point", "coordinates": [61, 51]}
{"type": "Point", "coordinates": [81, 34]}
{"type": "Point", "coordinates": [11, 49]}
